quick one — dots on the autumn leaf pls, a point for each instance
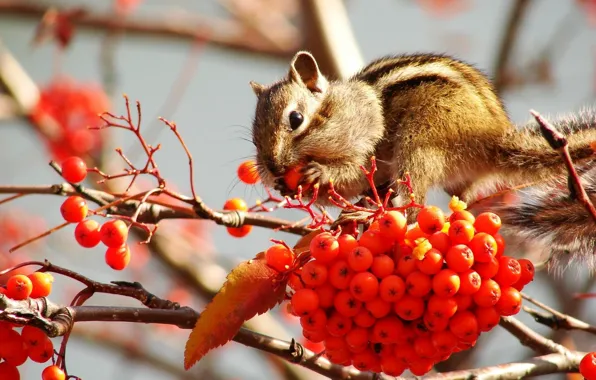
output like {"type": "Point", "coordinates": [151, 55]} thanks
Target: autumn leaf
{"type": "Point", "coordinates": [251, 288]}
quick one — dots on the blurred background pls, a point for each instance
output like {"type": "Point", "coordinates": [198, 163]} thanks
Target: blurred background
{"type": "Point", "coordinates": [190, 62]}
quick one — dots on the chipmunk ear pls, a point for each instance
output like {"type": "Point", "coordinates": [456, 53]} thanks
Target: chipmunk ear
{"type": "Point", "coordinates": [304, 69]}
{"type": "Point", "coordinates": [257, 88]}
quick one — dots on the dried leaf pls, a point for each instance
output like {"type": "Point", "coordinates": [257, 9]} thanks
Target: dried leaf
{"type": "Point", "coordinates": [251, 288]}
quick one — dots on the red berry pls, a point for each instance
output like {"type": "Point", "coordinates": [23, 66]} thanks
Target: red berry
{"type": "Point", "coordinates": [409, 308]}
{"type": "Point", "coordinates": [470, 282]}
{"type": "Point", "coordinates": [326, 293]}
{"type": "Point", "coordinates": [432, 262]}
{"type": "Point", "coordinates": [346, 304]}
{"type": "Point", "coordinates": [464, 325]}
{"type": "Point", "coordinates": [392, 288]}
{"type": "Point", "coordinates": [235, 204]}
{"type": "Point", "coordinates": [74, 209]}
{"type": "Point", "coordinates": [19, 287]}
{"type": "Point", "coordinates": [346, 244]}
{"type": "Point", "coordinates": [338, 325]}
{"type": "Point", "coordinates": [387, 330]}
{"type": "Point", "coordinates": [459, 258]}
{"type": "Point", "coordinates": [509, 271]}
{"type": "Point", "coordinates": [488, 269]}
{"type": "Point", "coordinates": [373, 240]}
{"type": "Point", "coordinates": [340, 274]}
{"type": "Point", "coordinates": [418, 284]}
{"type": "Point", "coordinates": [279, 257]}
{"type": "Point", "coordinates": [324, 247]}
{"type": "Point", "coordinates": [441, 307]}
{"type": "Point", "coordinates": [510, 301]}
{"type": "Point", "coordinates": [382, 266]}
{"type": "Point", "coordinates": [484, 247]}
{"type": "Point", "coordinates": [87, 233]}
{"type": "Point", "coordinates": [74, 169]}
{"type": "Point", "coordinates": [9, 372]}
{"type": "Point", "coordinates": [378, 308]}
{"type": "Point", "coordinates": [488, 294]}
{"type": "Point", "coordinates": [527, 272]}
{"type": "Point", "coordinates": [587, 366]}
{"type": "Point", "coordinates": [113, 233]}
{"type": "Point", "coordinates": [446, 283]}
{"type": "Point", "coordinates": [239, 232]}
{"type": "Point", "coordinates": [393, 226]}
{"type": "Point", "coordinates": [461, 232]}
{"type": "Point", "coordinates": [487, 317]}
{"type": "Point", "coordinates": [118, 258]}
{"type": "Point", "coordinates": [462, 215]}
{"type": "Point", "coordinates": [13, 349]}
{"type": "Point", "coordinates": [488, 222]}
{"type": "Point", "coordinates": [248, 173]}
{"type": "Point", "coordinates": [317, 320]}
{"type": "Point", "coordinates": [42, 352]}
{"type": "Point", "coordinates": [360, 259]}
{"type": "Point", "coordinates": [305, 301]}
{"type": "Point", "coordinates": [440, 241]}
{"type": "Point", "coordinates": [364, 286]}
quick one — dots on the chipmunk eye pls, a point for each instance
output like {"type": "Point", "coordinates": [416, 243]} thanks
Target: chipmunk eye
{"type": "Point", "coordinates": [296, 120]}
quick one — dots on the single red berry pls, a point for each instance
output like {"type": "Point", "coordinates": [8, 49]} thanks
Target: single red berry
{"type": "Point", "coordinates": [42, 352]}
{"type": "Point", "coordinates": [340, 274]}
{"type": "Point", "coordinates": [279, 257]}
{"type": "Point", "coordinates": [239, 232]}
{"type": "Point", "coordinates": [459, 258]}
{"type": "Point", "coordinates": [393, 226]}
{"type": "Point", "coordinates": [440, 241]}
{"type": "Point", "coordinates": [42, 284]}
{"type": "Point", "coordinates": [305, 301]}
{"type": "Point", "coordinates": [235, 204]}
{"type": "Point", "coordinates": [409, 308]}
{"type": "Point", "coordinates": [74, 169]}
{"type": "Point", "coordinates": [509, 271]}
{"type": "Point", "coordinates": [338, 325]}
{"type": "Point", "coordinates": [373, 240]}
{"type": "Point", "coordinates": [53, 372]}
{"type": "Point", "coordinates": [378, 308]}
{"type": "Point", "coordinates": [462, 215]}
{"type": "Point", "coordinates": [113, 233]}
{"type": "Point", "coordinates": [418, 284]}
{"type": "Point", "coordinates": [365, 318]}
{"type": "Point", "coordinates": [461, 232]}
{"type": "Point", "coordinates": [488, 294]}
{"type": "Point", "coordinates": [587, 366]}
{"type": "Point", "coordinates": [326, 293]}
{"type": "Point", "coordinates": [392, 288]}
{"type": "Point", "coordinates": [346, 304]}
{"type": "Point", "coordinates": [118, 258]}
{"type": "Point", "coordinates": [527, 272]}
{"type": "Point", "coordinates": [382, 266]}
{"type": "Point", "coordinates": [364, 286]}
{"type": "Point", "coordinates": [387, 330]}
{"type": "Point", "coordinates": [248, 173]}
{"type": "Point", "coordinates": [487, 270]}
{"type": "Point", "coordinates": [484, 247]}
{"type": "Point", "coordinates": [13, 349]}
{"type": "Point", "coordinates": [441, 307]}
{"type": "Point", "coordinates": [487, 317]}
{"type": "Point", "coordinates": [360, 259]}
{"type": "Point", "coordinates": [444, 341]}
{"type": "Point", "coordinates": [432, 262]}
{"type": "Point", "coordinates": [9, 372]}
{"type": "Point", "coordinates": [74, 209]}
{"type": "Point", "coordinates": [346, 243]}
{"type": "Point", "coordinates": [510, 301]}
{"type": "Point", "coordinates": [470, 282]}
{"type": "Point", "coordinates": [19, 287]}
{"type": "Point", "coordinates": [446, 283]}
{"type": "Point", "coordinates": [324, 247]}
{"type": "Point", "coordinates": [316, 320]}
{"type": "Point", "coordinates": [87, 233]}
{"type": "Point", "coordinates": [464, 325]}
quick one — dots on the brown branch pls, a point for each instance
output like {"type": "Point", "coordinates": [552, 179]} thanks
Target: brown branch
{"type": "Point", "coordinates": [507, 43]}
{"type": "Point", "coordinates": [556, 320]}
{"type": "Point", "coordinates": [530, 338]}
{"type": "Point", "coordinates": [228, 34]}
{"type": "Point", "coordinates": [559, 143]}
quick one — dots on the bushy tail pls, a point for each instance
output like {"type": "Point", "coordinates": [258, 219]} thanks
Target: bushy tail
{"type": "Point", "coordinates": [548, 221]}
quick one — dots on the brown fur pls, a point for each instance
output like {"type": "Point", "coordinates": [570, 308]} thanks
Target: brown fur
{"type": "Point", "coordinates": [430, 115]}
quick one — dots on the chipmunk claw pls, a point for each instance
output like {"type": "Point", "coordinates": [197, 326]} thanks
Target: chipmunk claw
{"type": "Point", "coordinates": [358, 217]}
{"type": "Point", "coordinates": [312, 172]}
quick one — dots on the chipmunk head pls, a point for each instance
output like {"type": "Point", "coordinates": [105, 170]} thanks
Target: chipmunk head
{"type": "Point", "coordinates": [304, 118]}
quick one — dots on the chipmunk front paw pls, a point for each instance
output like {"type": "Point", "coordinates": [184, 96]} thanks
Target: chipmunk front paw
{"type": "Point", "coordinates": [312, 173]}
{"type": "Point", "coordinates": [281, 187]}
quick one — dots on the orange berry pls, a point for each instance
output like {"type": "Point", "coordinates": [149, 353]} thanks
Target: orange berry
{"type": "Point", "coordinates": [113, 233]}
{"type": "Point", "coordinates": [421, 366]}
{"type": "Point", "coordinates": [446, 283]}
{"type": "Point", "coordinates": [340, 274]}
{"type": "Point", "coordinates": [42, 352]}
{"type": "Point", "coordinates": [346, 303]}
{"type": "Point", "coordinates": [509, 271]}
{"type": "Point", "coordinates": [341, 357]}
{"type": "Point", "coordinates": [441, 307]}
{"type": "Point", "coordinates": [424, 347]}
{"type": "Point", "coordinates": [488, 294]}
{"type": "Point", "coordinates": [13, 349]}
{"type": "Point", "coordinates": [316, 320]}
{"type": "Point", "coordinates": [409, 308]}
{"type": "Point", "coordinates": [239, 232]}
{"type": "Point", "coordinates": [382, 266]}
{"type": "Point", "coordinates": [32, 336]}
{"type": "Point", "coordinates": [488, 222]}
{"type": "Point", "coordinates": [326, 293]}
{"type": "Point", "coordinates": [365, 361]}
{"type": "Point", "coordinates": [346, 243]}
{"type": "Point", "coordinates": [432, 323]}
{"type": "Point", "coordinates": [295, 282]}
{"type": "Point", "coordinates": [74, 169]}
{"type": "Point", "coordinates": [364, 286]}
{"type": "Point", "coordinates": [360, 259]}
{"type": "Point", "coordinates": [500, 244]}
{"type": "Point", "coordinates": [431, 263]}
{"type": "Point", "coordinates": [484, 247]}
{"type": "Point", "coordinates": [510, 301]}
{"type": "Point", "coordinates": [418, 284]}
{"type": "Point", "coordinates": [464, 325]}
{"type": "Point", "coordinates": [470, 282]}
{"type": "Point", "coordinates": [305, 301]}
{"type": "Point", "coordinates": [487, 317]}
{"type": "Point", "coordinates": [118, 258]}
{"type": "Point", "coordinates": [488, 269]}
{"type": "Point", "coordinates": [41, 283]}
{"type": "Point", "coordinates": [440, 241]}
{"type": "Point", "coordinates": [74, 209]}
{"type": "Point", "coordinates": [53, 372]}
{"type": "Point", "coordinates": [324, 247]}
{"type": "Point", "coordinates": [443, 341]}
{"type": "Point", "coordinates": [357, 337]}
{"type": "Point", "coordinates": [87, 233]}
{"type": "Point", "coordinates": [248, 173]}
{"type": "Point", "coordinates": [415, 233]}
{"type": "Point", "coordinates": [464, 301]}
{"type": "Point", "coordinates": [235, 204]}
{"type": "Point", "coordinates": [461, 232]}
{"type": "Point", "coordinates": [392, 367]}
{"type": "Point", "coordinates": [406, 265]}
{"type": "Point", "coordinates": [392, 288]}
{"type": "Point", "coordinates": [293, 176]}
{"type": "Point", "coordinates": [280, 258]}
{"type": "Point", "coordinates": [315, 336]}
{"type": "Point", "coordinates": [462, 215]}
{"type": "Point", "coordinates": [9, 372]}
{"type": "Point", "coordinates": [393, 226]}
{"type": "Point", "coordinates": [431, 219]}
{"type": "Point", "coordinates": [314, 274]}
{"type": "Point", "coordinates": [19, 287]}
{"type": "Point", "coordinates": [374, 242]}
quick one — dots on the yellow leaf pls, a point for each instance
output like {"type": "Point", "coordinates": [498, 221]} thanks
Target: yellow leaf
{"type": "Point", "coordinates": [251, 288]}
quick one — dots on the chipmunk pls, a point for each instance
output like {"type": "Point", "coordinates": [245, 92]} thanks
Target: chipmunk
{"type": "Point", "coordinates": [432, 116]}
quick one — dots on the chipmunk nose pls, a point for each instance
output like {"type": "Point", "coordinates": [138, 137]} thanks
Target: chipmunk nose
{"type": "Point", "coordinates": [275, 169]}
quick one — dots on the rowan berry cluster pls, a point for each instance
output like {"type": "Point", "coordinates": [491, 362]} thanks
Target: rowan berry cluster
{"type": "Point", "coordinates": [396, 298]}
{"type": "Point", "coordinates": [88, 232]}
{"type": "Point", "coordinates": [30, 342]}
